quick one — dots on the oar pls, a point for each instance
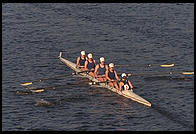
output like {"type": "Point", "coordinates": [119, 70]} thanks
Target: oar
{"type": "Point", "coordinates": [96, 83]}
{"type": "Point", "coordinates": [30, 91]}
{"type": "Point", "coordinates": [86, 71]}
{"type": "Point", "coordinates": [161, 73]}
{"type": "Point", "coordinates": [146, 65]}
{"type": "Point", "coordinates": [81, 66]}
{"type": "Point", "coordinates": [29, 83]}
{"type": "Point", "coordinates": [38, 90]}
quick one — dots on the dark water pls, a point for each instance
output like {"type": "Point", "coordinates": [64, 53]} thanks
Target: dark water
{"type": "Point", "coordinates": [33, 35]}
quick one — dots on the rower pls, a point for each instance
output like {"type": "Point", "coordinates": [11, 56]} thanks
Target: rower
{"type": "Point", "coordinates": [112, 76]}
{"type": "Point", "coordinates": [125, 84]}
{"type": "Point", "coordinates": [90, 65]}
{"type": "Point", "coordinates": [101, 69]}
{"type": "Point", "coordinates": [81, 60]}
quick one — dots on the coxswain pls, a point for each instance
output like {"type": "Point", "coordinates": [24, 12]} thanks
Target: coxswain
{"type": "Point", "coordinates": [125, 84]}
{"type": "Point", "coordinates": [112, 76]}
{"type": "Point", "coordinates": [101, 69]}
{"type": "Point", "coordinates": [81, 61]}
{"type": "Point", "coordinates": [90, 65]}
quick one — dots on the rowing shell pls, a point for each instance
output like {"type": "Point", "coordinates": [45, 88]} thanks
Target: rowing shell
{"type": "Point", "coordinates": [126, 93]}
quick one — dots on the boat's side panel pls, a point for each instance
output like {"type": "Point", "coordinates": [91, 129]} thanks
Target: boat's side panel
{"type": "Point", "coordinates": [73, 67]}
{"type": "Point", "coordinates": [135, 97]}
{"type": "Point", "coordinates": [128, 94]}
{"type": "Point", "coordinates": [70, 64]}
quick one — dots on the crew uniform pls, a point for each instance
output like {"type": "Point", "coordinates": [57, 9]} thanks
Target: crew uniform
{"type": "Point", "coordinates": [80, 62]}
{"type": "Point", "coordinates": [125, 84]}
{"type": "Point", "coordinates": [112, 76]}
{"type": "Point", "coordinates": [90, 65]}
{"type": "Point", "coordinates": [100, 70]}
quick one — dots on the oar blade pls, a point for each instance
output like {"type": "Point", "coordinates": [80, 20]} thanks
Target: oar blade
{"type": "Point", "coordinates": [26, 84]}
{"type": "Point", "coordinates": [188, 73]}
{"type": "Point", "coordinates": [167, 65]}
{"type": "Point", "coordinates": [37, 90]}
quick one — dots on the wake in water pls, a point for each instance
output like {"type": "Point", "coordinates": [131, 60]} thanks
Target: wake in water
{"type": "Point", "coordinates": [173, 117]}
{"type": "Point", "coordinates": [44, 103]}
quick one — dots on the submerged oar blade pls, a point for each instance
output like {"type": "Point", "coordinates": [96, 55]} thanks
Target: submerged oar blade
{"type": "Point", "coordinates": [26, 84]}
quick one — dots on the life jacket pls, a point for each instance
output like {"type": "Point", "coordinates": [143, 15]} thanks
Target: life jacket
{"type": "Point", "coordinates": [111, 75]}
{"type": "Point", "coordinates": [101, 71]}
{"type": "Point", "coordinates": [82, 61]}
{"type": "Point", "coordinates": [126, 84]}
{"type": "Point", "coordinates": [91, 65]}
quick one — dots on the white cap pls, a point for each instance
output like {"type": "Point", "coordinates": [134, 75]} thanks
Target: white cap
{"type": "Point", "coordinates": [123, 74]}
{"type": "Point", "coordinates": [111, 65]}
{"type": "Point", "coordinates": [101, 59]}
{"type": "Point", "coordinates": [90, 56]}
{"type": "Point", "coordinates": [82, 52]}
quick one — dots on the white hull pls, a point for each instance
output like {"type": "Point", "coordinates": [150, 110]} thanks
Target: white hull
{"type": "Point", "coordinates": [126, 93]}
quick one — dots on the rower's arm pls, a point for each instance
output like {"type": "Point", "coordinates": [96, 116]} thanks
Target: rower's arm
{"type": "Point", "coordinates": [106, 67]}
{"type": "Point", "coordinates": [96, 69]}
{"type": "Point", "coordinates": [95, 62]}
{"type": "Point", "coordinates": [95, 66]}
{"type": "Point", "coordinates": [106, 75]}
{"type": "Point", "coordinates": [130, 84]}
{"type": "Point", "coordinates": [85, 65]}
{"type": "Point", "coordinates": [116, 76]}
{"type": "Point", "coordinates": [77, 62]}
{"type": "Point", "coordinates": [120, 85]}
